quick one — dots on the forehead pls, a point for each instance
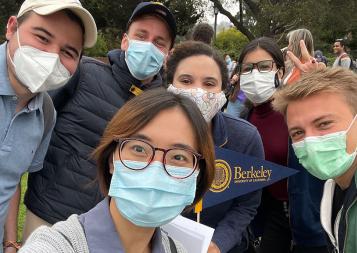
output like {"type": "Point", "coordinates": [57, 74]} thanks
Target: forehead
{"type": "Point", "coordinates": [199, 65]}
{"type": "Point", "coordinates": [152, 24]}
{"type": "Point", "coordinates": [162, 128]}
{"type": "Point", "coordinates": [337, 43]}
{"type": "Point", "coordinates": [257, 55]}
{"type": "Point", "coordinates": [58, 24]}
{"type": "Point", "coordinates": [324, 103]}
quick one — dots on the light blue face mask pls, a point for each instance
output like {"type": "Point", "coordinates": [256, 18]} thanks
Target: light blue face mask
{"type": "Point", "coordinates": [150, 197]}
{"type": "Point", "coordinates": [144, 59]}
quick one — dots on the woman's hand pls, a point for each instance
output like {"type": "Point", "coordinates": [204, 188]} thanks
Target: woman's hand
{"type": "Point", "coordinates": [307, 62]}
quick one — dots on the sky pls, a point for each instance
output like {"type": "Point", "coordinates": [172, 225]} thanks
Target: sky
{"type": "Point", "coordinates": [209, 14]}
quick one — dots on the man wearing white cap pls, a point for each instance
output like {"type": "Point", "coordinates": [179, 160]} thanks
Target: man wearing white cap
{"type": "Point", "coordinates": [85, 105]}
{"type": "Point", "coordinates": [44, 46]}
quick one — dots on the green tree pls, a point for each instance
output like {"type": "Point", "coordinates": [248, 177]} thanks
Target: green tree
{"type": "Point", "coordinates": [326, 19]}
{"type": "Point", "coordinates": [112, 16]}
{"type": "Point", "coordinates": [231, 42]}
{"type": "Point", "coordinates": [7, 8]}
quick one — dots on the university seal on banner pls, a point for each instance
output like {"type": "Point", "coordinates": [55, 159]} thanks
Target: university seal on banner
{"type": "Point", "coordinates": [223, 175]}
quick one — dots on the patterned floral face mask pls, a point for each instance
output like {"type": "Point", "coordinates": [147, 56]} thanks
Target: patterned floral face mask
{"type": "Point", "coordinates": [209, 103]}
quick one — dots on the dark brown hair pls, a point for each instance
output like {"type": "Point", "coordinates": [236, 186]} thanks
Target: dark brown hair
{"type": "Point", "coordinates": [203, 32]}
{"type": "Point", "coordinates": [195, 48]}
{"type": "Point", "coordinates": [136, 114]}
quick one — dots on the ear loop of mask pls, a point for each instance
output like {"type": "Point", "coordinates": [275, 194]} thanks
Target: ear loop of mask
{"type": "Point", "coordinates": [18, 43]}
{"type": "Point", "coordinates": [348, 129]}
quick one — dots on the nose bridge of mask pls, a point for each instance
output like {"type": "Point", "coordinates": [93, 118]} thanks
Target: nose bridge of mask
{"type": "Point", "coordinates": [152, 46]}
{"type": "Point", "coordinates": [18, 43]}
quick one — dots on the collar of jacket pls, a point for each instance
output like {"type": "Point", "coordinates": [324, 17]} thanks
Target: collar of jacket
{"type": "Point", "coordinates": [219, 130]}
{"type": "Point", "coordinates": [326, 211]}
{"type": "Point", "coordinates": [123, 76]}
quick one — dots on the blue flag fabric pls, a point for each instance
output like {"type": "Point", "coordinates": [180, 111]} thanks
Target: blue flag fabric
{"type": "Point", "coordinates": [238, 174]}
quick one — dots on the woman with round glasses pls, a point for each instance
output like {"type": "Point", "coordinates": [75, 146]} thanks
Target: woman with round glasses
{"type": "Point", "coordinates": [155, 159]}
{"type": "Point", "coordinates": [289, 213]}
{"type": "Point", "coordinates": [197, 71]}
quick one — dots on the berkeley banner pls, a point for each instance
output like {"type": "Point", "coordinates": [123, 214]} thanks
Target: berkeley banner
{"type": "Point", "coordinates": [238, 174]}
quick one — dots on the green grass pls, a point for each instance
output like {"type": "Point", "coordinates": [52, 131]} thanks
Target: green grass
{"type": "Point", "coordinates": [22, 210]}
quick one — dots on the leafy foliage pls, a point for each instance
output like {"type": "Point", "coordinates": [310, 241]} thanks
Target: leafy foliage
{"type": "Point", "coordinates": [326, 19]}
{"type": "Point", "coordinates": [112, 16]}
{"type": "Point", "coordinates": [231, 42]}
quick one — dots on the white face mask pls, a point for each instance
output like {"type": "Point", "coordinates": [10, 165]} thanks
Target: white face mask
{"type": "Point", "coordinates": [209, 103]}
{"type": "Point", "coordinates": [257, 86]}
{"type": "Point", "coordinates": [38, 70]}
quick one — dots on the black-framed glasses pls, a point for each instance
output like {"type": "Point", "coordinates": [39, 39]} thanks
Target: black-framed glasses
{"type": "Point", "coordinates": [262, 66]}
{"type": "Point", "coordinates": [131, 149]}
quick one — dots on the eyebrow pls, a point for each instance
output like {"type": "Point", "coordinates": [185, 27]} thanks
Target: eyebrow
{"type": "Point", "coordinates": [176, 145]}
{"type": "Point", "coordinates": [185, 75]}
{"type": "Point", "coordinates": [44, 31]}
{"type": "Point", "coordinates": [211, 78]}
{"type": "Point", "coordinates": [68, 47]}
{"type": "Point", "coordinates": [146, 32]}
{"type": "Point", "coordinates": [314, 121]}
{"type": "Point", "coordinates": [321, 118]}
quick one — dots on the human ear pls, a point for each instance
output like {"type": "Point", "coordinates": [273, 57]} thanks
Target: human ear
{"type": "Point", "coordinates": [11, 27]}
{"type": "Point", "coordinates": [124, 42]}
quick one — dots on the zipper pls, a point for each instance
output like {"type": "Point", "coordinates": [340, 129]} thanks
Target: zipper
{"type": "Point", "coordinates": [224, 143]}
{"type": "Point", "coordinates": [344, 242]}
{"type": "Point", "coordinates": [329, 230]}
{"type": "Point", "coordinates": [336, 226]}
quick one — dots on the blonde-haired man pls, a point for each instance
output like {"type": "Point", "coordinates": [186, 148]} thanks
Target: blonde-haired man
{"type": "Point", "coordinates": [320, 111]}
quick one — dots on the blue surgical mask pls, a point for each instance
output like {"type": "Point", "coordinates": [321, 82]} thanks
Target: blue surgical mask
{"type": "Point", "coordinates": [150, 197]}
{"type": "Point", "coordinates": [144, 59]}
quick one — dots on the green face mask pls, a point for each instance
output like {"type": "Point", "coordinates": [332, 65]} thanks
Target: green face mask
{"type": "Point", "coordinates": [325, 156]}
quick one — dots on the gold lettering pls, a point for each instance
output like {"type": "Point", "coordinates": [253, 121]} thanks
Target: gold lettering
{"type": "Point", "coordinates": [237, 173]}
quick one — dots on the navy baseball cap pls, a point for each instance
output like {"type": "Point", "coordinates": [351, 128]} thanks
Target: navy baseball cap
{"type": "Point", "coordinates": [155, 8]}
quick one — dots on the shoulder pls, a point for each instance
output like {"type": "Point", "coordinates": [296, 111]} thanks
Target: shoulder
{"type": "Point", "coordinates": [233, 124]}
{"type": "Point", "coordinates": [345, 57]}
{"type": "Point", "coordinates": [65, 236]}
{"type": "Point", "coordinates": [91, 64]}
{"type": "Point", "coordinates": [242, 137]}
{"type": "Point", "coordinates": [166, 244]}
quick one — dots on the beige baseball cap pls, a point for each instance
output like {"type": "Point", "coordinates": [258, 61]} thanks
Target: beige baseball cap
{"type": "Point", "coordinates": [47, 7]}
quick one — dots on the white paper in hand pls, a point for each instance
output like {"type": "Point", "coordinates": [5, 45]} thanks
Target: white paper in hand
{"type": "Point", "coordinates": [194, 236]}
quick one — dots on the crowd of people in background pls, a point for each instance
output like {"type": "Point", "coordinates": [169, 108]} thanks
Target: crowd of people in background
{"type": "Point", "coordinates": [115, 151]}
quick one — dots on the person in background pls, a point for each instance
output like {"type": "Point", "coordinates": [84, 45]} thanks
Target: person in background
{"type": "Point", "coordinates": [342, 58]}
{"type": "Point", "coordinates": [230, 64]}
{"type": "Point", "coordinates": [155, 158]}
{"type": "Point", "coordinates": [45, 41]}
{"type": "Point", "coordinates": [236, 97]}
{"type": "Point", "coordinates": [197, 71]}
{"type": "Point", "coordinates": [320, 57]}
{"type": "Point", "coordinates": [292, 73]}
{"type": "Point", "coordinates": [85, 106]}
{"type": "Point", "coordinates": [325, 141]}
{"type": "Point", "coordinates": [288, 218]}
{"type": "Point", "coordinates": [203, 32]}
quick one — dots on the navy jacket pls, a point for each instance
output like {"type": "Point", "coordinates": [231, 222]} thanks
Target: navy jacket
{"type": "Point", "coordinates": [84, 106]}
{"type": "Point", "coordinates": [305, 194]}
{"type": "Point", "coordinates": [231, 218]}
